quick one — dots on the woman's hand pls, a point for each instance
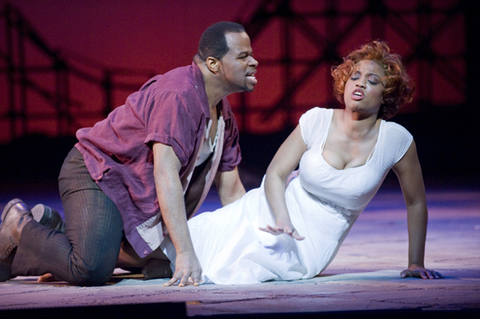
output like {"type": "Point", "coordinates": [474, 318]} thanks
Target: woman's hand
{"type": "Point", "coordinates": [279, 173]}
{"type": "Point", "coordinates": [283, 227]}
{"type": "Point", "coordinates": [420, 272]}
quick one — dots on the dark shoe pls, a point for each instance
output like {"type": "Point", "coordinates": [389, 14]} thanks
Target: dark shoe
{"type": "Point", "coordinates": [49, 217]}
{"type": "Point", "coordinates": [157, 268]}
{"type": "Point", "coordinates": [14, 217]}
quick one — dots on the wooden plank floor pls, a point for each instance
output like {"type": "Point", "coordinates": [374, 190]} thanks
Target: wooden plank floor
{"type": "Point", "coordinates": [362, 280]}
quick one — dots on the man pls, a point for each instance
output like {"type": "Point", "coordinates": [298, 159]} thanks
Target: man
{"type": "Point", "coordinates": [140, 172]}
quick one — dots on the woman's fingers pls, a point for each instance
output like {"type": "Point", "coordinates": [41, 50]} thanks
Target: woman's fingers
{"type": "Point", "coordinates": [282, 230]}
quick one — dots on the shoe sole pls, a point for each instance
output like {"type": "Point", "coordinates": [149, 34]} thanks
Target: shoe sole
{"type": "Point", "coordinates": [48, 217]}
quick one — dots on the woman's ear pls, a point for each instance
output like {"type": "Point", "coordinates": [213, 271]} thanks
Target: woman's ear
{"type": "Point", "coordinates": [213, 65]}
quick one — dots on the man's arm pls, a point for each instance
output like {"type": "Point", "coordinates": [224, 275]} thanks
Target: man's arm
{"type": "Point", "coordinates": [166, 168]}
{"type": "Point", "coordinates": [229, 186]}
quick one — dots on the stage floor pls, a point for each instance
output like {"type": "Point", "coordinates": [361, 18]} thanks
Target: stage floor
{"type": "Point", "coordinates": [363, 279]}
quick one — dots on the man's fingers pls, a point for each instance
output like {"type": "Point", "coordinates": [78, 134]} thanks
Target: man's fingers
{"type": "Point", "coordinates": [196, 282]}
{"type": "Point", "coordinates": [170, 282]}
{"type": "Point", "coordinates": [176, 276]}
{"type": "Point", "coordinates": [195, 279]}
{"type": "Point", "coordinates": [182, 283]}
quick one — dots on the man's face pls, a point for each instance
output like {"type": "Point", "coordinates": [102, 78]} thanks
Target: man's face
{"type": "Point", "coordinates": [238, 67]}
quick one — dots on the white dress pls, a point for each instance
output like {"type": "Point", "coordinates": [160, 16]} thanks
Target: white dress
{"type": "Point", "coordinates": [323, 203]}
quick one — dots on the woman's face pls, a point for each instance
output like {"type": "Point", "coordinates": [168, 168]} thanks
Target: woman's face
{"type": "Point", "coordinates": [363, 90]}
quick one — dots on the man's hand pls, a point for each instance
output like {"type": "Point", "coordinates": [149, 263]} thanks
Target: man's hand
{"type": "Point", "coordinates": [187, 267]}
{"type": "Point", "coordinates": [420, 272]}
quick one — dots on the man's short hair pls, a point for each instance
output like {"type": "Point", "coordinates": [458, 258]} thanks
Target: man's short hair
{"type": "Point", "coordinates": [213, 42]}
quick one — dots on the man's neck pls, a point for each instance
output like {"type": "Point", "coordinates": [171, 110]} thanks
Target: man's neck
{"type": "Point", "coordinates": [213, 86]}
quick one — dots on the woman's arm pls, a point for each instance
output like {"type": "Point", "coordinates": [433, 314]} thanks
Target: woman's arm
{"type": "Point", "coordinates": [409, 174]}
{"type": "Point", "coordinates": [283, 163]}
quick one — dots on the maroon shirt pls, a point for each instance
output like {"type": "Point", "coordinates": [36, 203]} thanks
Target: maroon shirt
{"type": "Point", "coordinates": [171, 109]}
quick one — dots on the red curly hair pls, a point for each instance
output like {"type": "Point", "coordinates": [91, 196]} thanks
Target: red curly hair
{"type": "Point", "coordinates": [398, 86]}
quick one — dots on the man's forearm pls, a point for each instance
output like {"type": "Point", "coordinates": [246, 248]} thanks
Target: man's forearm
{"type": "Point", "coordinates": [172, 206]}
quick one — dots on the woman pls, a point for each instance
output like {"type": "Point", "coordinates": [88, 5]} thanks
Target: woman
{"type": "Point", "coordinates": [343, 155]}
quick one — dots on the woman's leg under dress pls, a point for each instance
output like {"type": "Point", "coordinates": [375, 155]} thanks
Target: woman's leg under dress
{"type": "Point", "coordinates": [88, 251]}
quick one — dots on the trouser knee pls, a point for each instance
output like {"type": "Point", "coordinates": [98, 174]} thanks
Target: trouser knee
{"type": "Point", "coordinates": [92, 276]}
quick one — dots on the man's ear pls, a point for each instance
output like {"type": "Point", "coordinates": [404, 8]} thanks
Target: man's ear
{"type": "Point", "coordinates": [213, 65]}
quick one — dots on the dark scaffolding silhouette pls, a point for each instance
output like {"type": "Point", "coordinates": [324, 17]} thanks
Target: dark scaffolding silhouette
{"type": "Point", "coordinates": [326, 29]}
{"type": "Point", "coordinates": [21, 39]}
{"type": "Point", "coordinates": [418, 24]}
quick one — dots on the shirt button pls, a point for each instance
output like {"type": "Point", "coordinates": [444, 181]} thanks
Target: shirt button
{"type": "Point", "coordinates": [145, 252]}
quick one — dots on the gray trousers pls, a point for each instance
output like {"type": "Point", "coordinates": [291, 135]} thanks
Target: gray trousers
{"type": "Point", "coordinates": [87, 253]}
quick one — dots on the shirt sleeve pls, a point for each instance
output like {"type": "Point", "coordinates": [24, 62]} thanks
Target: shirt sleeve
{"type": "Point", "coordinates": [168, 121]}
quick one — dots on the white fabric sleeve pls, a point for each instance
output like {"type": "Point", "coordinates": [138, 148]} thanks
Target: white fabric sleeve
{"type": "Point", "coordinates": [400, 137]}
{"type": "Point", "coordinates": [310, 122]}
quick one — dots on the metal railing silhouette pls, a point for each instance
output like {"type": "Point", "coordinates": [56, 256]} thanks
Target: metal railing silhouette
{"type": "Point", "coordinates": [326, 29]}
{"type": "Point", "coordinates": [417, 27]}
{"type": "Point", "coordinates": [49, 78]}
